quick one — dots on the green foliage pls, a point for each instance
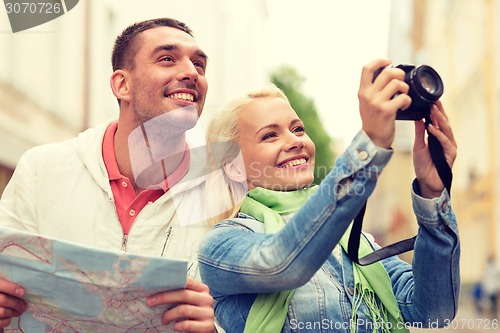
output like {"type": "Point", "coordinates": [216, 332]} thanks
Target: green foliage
{"type": "Point", "coordinates": [288, 80]}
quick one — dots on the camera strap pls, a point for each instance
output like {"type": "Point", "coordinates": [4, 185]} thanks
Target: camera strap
{"type": "Point", "coordinates": [444, 171]}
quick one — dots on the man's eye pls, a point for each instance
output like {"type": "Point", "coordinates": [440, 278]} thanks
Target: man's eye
{"type": "Point", "coordinates": [200, 66]}
{"type": "Point", "coordinates": [167, 58]}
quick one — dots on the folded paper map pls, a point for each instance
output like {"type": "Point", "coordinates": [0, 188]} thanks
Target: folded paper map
{"type": "Point", "coordinates": [73, 288]}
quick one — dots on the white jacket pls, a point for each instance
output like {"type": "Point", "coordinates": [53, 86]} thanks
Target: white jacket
{"type": "Point", "coordinates": [62, 191]}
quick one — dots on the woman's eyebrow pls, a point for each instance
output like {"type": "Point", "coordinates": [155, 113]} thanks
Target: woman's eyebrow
{"type": "Point", "coordinates": [272, 126]}
{"type": "Point", "coordinates": [267, 127]}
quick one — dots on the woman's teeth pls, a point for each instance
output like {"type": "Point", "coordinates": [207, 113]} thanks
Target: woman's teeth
{"type": "Point", "coordinates": [290, 164]}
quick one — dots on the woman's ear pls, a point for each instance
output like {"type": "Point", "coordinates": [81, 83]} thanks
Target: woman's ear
{"type": "Point", "coordinates": [120, 85]}
{"type": "Point", "coordinates": [235, 170]}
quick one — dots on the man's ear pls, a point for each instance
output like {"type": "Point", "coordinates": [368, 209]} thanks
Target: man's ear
{"type": "Point", "coordinates": [235, 170]}
{"type": "Point", "coordinates": [120, 85]}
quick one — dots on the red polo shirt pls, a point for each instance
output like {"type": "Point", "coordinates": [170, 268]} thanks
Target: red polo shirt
{"type": "Point", "coordinates": [128, 204]}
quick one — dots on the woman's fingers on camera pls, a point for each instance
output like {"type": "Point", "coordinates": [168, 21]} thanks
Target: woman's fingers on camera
{"type": "Point", "coordinates": [444, 133]}
{"type": "Point", "coordinates": [394, 88]}
{"type": "Point", "coordinates": [440, 121]}
{"type": "Point", "coordinates": [391, 88]}
{"type": "Point", "coordinates": [440, 108]}
{"type": "Point", "coordinates": [383, 88]}
{"type": "Point", "coordinates": [401, 101]}
{"type": "Point", "coordinates": [419, 142]}
{"type": "Point", "coordinates": [369, 70]}
{"type": "Point", "coordinates": [449, 145]}
{"type": "Point", "coordinates": [391, 79]}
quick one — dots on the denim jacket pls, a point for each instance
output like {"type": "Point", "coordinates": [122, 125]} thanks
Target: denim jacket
{"type": "Point", "coordinates": [238, 261]}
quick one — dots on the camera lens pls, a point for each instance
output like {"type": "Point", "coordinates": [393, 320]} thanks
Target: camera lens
{"type": "Point", "coordinates": [427, 83]}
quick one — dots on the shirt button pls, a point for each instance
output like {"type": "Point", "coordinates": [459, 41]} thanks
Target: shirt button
{"type": "Point", "coordinates": [131, 212]}
{"type": "Point", "coordinates": [124, 184]}
{"type": "Point", "coordinates": [362, 155]}
{"type": "Point", "coordinates": [350, 291]}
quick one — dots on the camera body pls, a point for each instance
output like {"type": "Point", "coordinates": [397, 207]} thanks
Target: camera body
{"type": "Point", "coordinates": [426, 87]}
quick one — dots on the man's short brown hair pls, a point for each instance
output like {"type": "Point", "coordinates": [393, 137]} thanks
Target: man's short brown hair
{"type": "Point", "coordinates": [124, 49]}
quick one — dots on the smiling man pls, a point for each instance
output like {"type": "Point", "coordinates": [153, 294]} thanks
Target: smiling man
{"type": "Point", "coordinates": [112, 187]}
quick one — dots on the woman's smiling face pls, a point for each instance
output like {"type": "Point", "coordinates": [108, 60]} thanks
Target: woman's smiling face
{"type": "Point", "coordinates": [277, 152]}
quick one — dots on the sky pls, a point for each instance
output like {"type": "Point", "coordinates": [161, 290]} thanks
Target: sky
{"type": "Point", "coordinates": [328, 42]}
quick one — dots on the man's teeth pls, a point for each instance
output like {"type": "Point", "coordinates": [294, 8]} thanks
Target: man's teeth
{"type": "Point", "coordinates": [290, 164]}
{"type": "Point", "coordinates": [184, 96]}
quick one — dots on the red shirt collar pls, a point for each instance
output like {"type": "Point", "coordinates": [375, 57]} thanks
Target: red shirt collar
{"type": "Point", "coordinates": [108, 154]}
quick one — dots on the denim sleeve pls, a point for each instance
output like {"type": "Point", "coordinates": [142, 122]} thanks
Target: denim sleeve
{"type": "Point", "coordinates": [427, 291]}
{"type": "Point", "coordinates": [234, 260]}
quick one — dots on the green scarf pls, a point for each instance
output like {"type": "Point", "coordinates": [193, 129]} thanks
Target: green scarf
{"type": "Point", "coordinates": [269, 311]}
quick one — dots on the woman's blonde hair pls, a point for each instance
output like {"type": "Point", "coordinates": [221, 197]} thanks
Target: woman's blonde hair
{"type": "Point", "coordinates": [224, 194]}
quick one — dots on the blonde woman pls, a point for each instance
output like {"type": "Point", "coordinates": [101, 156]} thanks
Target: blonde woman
{"type": "Point", "coordinates": [278, 262]}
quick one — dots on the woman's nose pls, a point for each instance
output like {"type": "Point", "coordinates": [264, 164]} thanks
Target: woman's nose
{"type": "Point", "coordinates": [294, 142]}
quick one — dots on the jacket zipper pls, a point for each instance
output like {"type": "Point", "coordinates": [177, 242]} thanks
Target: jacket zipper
{"type": "Point", "coordinates": [125, 236]}
{"type": "Point", "coordinates": [124, 243]}
{"type": "Point", "coordinates": [167, 236]}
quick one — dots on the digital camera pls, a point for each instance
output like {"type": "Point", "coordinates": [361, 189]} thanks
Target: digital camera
{"type": "Point", "coordinates": [426, 87]}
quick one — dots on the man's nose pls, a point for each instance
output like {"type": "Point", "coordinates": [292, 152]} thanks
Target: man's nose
{"type": "Point", "coordinates": [187, 71]}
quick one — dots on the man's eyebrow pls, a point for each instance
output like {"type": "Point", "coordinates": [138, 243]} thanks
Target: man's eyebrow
{"type": "Point", "coordinates": [173, 47]}
{"type": "Point", "coordinates": [165, 47]}
{"type": "Point", "coordinates": [201, 54]}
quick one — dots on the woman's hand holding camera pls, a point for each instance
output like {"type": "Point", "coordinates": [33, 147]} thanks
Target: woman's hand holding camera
{"type": "Point", "coordinates": [381, 95]}
{"type": "Point", "coordinates": [430, 183]}
{"type": "Point", "coordinates": [380, 99]}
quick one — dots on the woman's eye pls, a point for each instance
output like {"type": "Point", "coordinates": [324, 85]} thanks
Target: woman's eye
{"type": "Point", "coordinates": [299, 129]}
{"type": "Point", "coordinates": [269, 136]}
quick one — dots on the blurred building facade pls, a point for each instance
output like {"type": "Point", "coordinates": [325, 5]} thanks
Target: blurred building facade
{"type": "Point", "coordinates": [54, 78]}
{"type": "Point", "coordinates": [461, 40]}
